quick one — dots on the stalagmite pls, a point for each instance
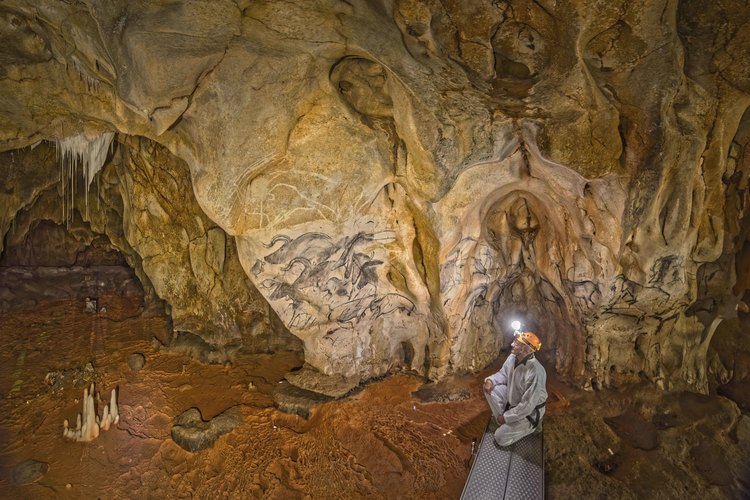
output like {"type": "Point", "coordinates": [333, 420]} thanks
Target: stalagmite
{"type": "Point", "coordinates": [88, 426]}
{"type": "Point", "coordinates": [113, 410]}
{"type": "Point", "coordinates": [105, 419]}
{"type": "Point", "coordinates": [110, 414]}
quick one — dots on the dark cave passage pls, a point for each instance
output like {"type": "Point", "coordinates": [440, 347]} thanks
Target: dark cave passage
{"type": "Point", "coordinates": [44, 261]}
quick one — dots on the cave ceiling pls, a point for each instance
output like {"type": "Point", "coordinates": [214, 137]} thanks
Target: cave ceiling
{"type": "Point", "coordinates": [403, 178]}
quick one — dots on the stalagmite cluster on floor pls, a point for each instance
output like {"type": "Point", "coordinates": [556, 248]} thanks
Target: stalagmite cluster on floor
{"type": "Point", "coordinates": [88, 426]}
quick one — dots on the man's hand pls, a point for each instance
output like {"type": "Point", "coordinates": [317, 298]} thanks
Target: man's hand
{"type": "Point", "coordinates": [500, 420]}
{"type": "Point", "coordinates": [488, 385]}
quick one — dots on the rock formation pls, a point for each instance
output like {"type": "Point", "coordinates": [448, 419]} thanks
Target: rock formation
{"type": "Point", "coordinates": [403, 178]}
{"type": "Point", "coordinates": [193, 433]}
{"type": "Point", "coordinates": [88, 423]}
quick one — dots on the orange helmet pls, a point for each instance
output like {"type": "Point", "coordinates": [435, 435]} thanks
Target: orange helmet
{"type": "Point", "coordinates": [530, 340]}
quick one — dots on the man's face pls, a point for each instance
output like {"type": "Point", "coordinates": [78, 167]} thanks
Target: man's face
{"type": "Point", "coordinates": [519, 349]}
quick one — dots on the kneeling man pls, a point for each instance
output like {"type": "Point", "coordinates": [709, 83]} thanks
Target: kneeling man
{"type": "Point", "coordinates": [517, 393]}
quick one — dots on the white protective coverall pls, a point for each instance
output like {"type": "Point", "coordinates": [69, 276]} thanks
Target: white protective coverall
{"type": "Point", "coordinates": [523, 387]}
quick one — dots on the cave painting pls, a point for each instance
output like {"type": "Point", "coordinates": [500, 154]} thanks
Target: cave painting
{"type": "Point", "coordinates": [402, 178]}
{"type": "Point", "coordinates": [336, 270]}
{"type": "Point", "coordinates": [328, 288]}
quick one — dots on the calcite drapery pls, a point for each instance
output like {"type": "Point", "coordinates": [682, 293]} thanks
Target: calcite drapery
{"type": "Point", "coordinates": [403, 177]}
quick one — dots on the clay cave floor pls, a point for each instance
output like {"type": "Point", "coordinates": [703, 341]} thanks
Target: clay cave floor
{"type": "Point", "coordinates": [382, 442]}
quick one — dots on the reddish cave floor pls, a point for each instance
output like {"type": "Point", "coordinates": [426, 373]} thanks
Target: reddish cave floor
{"type": "Point", "coordinates": [382, 442]}
{"type": "Point", "coordinates": [378, 443]}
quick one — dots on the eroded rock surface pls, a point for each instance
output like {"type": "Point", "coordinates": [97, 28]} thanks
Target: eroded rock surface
{"type": "Point", "coordinates": [402, 178]}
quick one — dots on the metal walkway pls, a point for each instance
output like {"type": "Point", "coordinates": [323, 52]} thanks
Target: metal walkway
{"type": "Point", "coordinates": [515, 472]}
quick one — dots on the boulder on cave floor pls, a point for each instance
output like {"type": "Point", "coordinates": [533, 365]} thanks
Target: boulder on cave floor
{"type": "Point", "coordinates": [632, 428]}
{"type": "Point", "coordinates": [292, 399]}
{"type": "Point", "coordinates": [737, 391]}
{"type": "Point", "coordinates": [29, 471]}
{"type": "Point", "coordinates": [450, 389]}
{"type": "Point", "coordinates": [334, 386]}
{"type": "Point", "coordinates": [136, 361]}
{"type": "Point", "coordinates": [193, 433]}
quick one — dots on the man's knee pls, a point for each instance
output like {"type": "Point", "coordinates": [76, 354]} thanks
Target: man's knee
{"type": "Point", "coordinates": [506, 435]}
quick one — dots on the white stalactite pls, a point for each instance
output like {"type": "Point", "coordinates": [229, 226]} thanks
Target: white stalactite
{"type": "Point", "coordinates": [82, 153]}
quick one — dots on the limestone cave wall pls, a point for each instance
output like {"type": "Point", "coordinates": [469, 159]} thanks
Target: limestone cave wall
{"type": "Point", "coordinates": [137, 216]}
{"type": "Point", "coordinates": [403, 178]}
